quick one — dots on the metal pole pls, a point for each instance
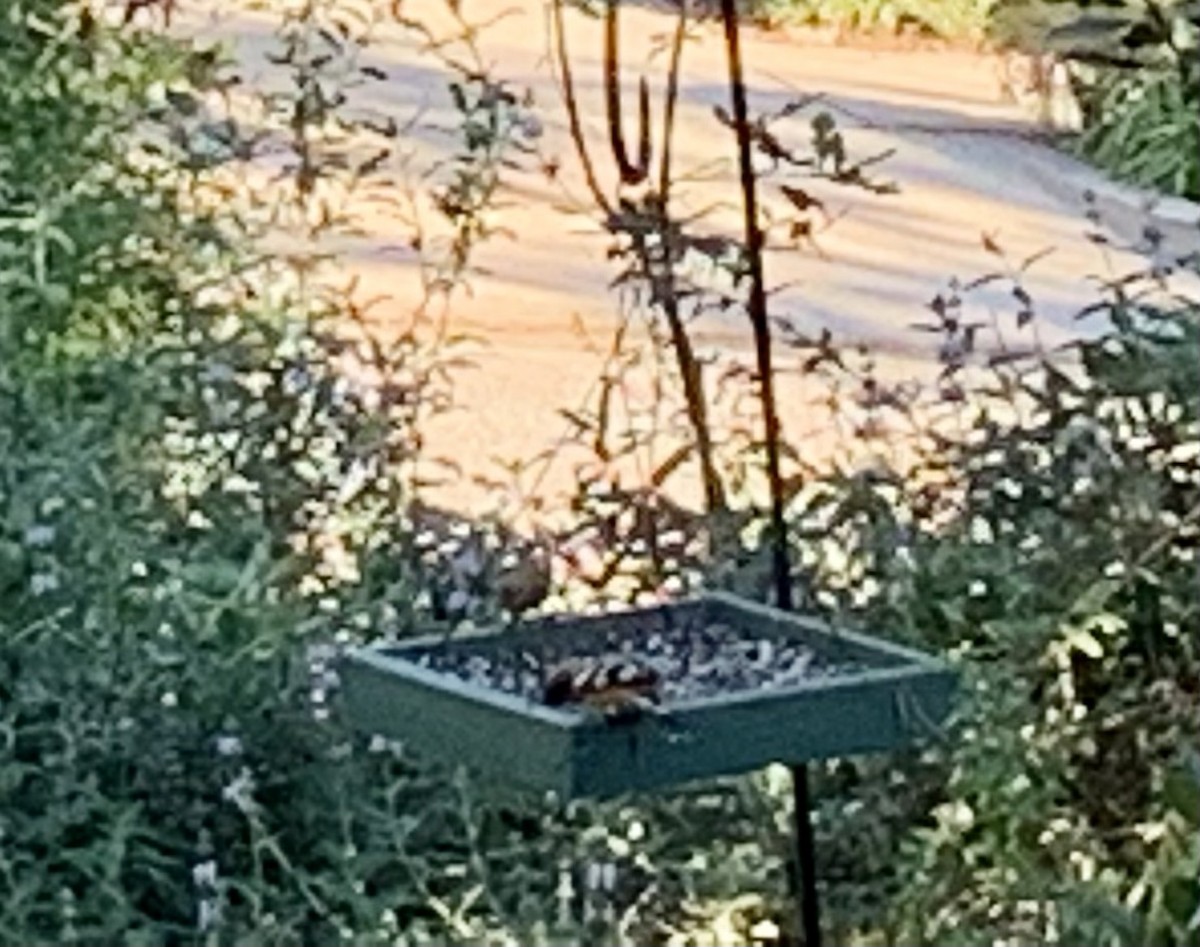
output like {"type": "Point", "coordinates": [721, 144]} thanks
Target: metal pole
{"type": "Point", "coordinates": [810, 916]}
{"type": "Point", "coordinates": [810, 907]}
{"type": "Point", "coordinates": [756, 307]}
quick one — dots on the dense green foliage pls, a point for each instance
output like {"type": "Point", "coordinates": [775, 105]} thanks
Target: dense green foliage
{"type": "Point", "coordinates": [1055, 556]}
{"type": "Point", "coordinates": [1136, 71]}
{"type": "Point", "coordinates": [197, 506]}
{"type": "Point", "coordinates": [955, 19]}
{"type": "Point", "coordinates": [170, 444]}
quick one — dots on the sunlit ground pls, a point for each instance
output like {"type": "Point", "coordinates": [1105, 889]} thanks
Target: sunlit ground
{"type": "Point", "coordinates": [542, 311]}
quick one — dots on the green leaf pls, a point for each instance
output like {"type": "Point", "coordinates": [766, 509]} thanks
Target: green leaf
{"type": "Point", "coordinates": [1082, 640]}
{"type": "Point", "coordinates": [1092, 30]}
{"type": "Point", "coordinates": [1182, 793]}
{"type": "Point", "coordinates": [216, 578]}
{"type": "Point", "coordinates": [1095, 597]}
{"type": "Point", "coordinates": [1181, 898]}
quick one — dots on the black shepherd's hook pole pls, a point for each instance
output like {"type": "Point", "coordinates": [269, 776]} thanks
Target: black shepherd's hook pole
{"type": "Point", "coordinates": [810, 918]}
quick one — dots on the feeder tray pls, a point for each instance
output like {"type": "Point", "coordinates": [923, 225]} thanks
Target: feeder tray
{"type": "Point", "coordinates": [737, 686]}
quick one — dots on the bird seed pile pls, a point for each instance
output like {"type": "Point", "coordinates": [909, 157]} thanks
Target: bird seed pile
{"type": "Point", "coordinates": [688, 658]}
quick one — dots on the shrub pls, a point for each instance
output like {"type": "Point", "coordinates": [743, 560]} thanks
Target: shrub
{"type": "Point", "coordinates": [188, 479]}
{"type": "Point", "coordinates": [951, 19]}
{"type": "Point", "coordinates": [1135, 72]}
{"type": "Point", "coordinates": [1050, 548]}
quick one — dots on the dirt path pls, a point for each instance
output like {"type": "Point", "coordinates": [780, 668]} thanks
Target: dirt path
{"type": "Point", "coordinates": [964, 164]}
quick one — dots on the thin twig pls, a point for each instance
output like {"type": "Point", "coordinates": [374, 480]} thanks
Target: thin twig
{"type": "Point", "coordinates": [690, 370]}
{"type": "Point", "coordinates": [630, 173]}
{"type": "Point", "coordinates": [664, 171]}
{"type": "Point", "coordinates": [567, 84]}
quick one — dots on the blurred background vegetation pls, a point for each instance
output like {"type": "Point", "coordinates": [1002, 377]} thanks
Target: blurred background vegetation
{"type": "Point", "coordinates": [1132, 65]}
{"type": "Point", "coordinates": [199, 505]}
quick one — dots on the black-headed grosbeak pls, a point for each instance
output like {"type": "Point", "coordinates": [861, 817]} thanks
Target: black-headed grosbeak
{"type": "Point", "coordinates": [619, 688]}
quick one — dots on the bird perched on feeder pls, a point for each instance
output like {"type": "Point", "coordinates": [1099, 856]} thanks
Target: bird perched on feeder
{"type": "Point", "coordinates": [615, 686]}
{"type": "Point", "coordinates": [526, 583]}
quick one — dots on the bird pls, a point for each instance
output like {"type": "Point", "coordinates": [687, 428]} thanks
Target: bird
{"type": "Point", "coordinates": [617, 687]}
{"type": "Point", "coordinates": [526, 583]}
